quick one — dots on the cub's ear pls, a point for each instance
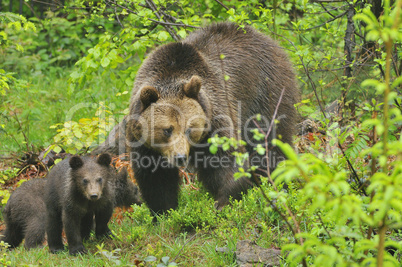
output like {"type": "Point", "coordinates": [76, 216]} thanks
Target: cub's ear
{"type": "Point", "coordinates": [104, 159]}
{"type": "Point", "coordinates": [76, 162]}
{"type": "Point", "coordinates": [192, 88]}
{"type": "Point", "coordinates": [122, 175]}
{"type": "Point", "coordinates": [148, 96]}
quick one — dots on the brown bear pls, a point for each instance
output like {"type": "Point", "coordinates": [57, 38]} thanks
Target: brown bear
{"type": "Point", "coordinates": [126, 191]}
{"type": "Point", "coordinates": [25, 211]}
{"type": "Point", "coordinates": [24, 215]}
{"type": "Point", "coordinates": [79, 189]}
{"type": "Point", "coordinates": [213, 82]}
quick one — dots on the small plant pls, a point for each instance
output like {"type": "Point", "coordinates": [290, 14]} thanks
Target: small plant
{"type": "Point", "coordinates": [85, 134]}
{"type": "Point", "coordinates": [6, 175]}
{"type": "Point", "coordinates": [109, 255]}
{"type": "Point", "coordinates": [165, 261]}
{"type": "Point", "coordinates": [195, 212]}
{"type": "Point", "coordinates": [4, 259]}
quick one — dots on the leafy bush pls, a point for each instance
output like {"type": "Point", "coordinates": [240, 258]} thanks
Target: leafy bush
{"type": "Point", "coordinates": [6, 175]}
{"type": "Point", "coordinates": [195, 212]}
{"type": "Point", "coordinates": [86, 133]}
{"type": "Point", "coordinates": [346, 220]}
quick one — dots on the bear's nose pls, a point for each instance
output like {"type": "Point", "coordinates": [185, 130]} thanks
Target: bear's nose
{"type": "Point", "coordinates": [94, 197]}
{"type": "Point", "coordinates": [180, 160]}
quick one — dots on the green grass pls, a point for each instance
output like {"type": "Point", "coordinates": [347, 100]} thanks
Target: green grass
{"type": "Point", "coordinates": [189, 235]}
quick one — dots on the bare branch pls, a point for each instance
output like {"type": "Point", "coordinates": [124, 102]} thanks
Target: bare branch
{"type": "Point", "coordinates": [163, 23]}
{"type": "Point", "coordinates": [322, 24]}
{"type": "Point", "coordinates": [167, 27]}
{"type": "Point", "coordinates": [173, 24]}
{"type": "Point", "coordinates": [275, 113]}
{"type": "Point", "coordinates": [117, 15]}
{"type": "Point", "coordinates": [222, 4]}
{"type": "Point", "coordinates": [326, 10]}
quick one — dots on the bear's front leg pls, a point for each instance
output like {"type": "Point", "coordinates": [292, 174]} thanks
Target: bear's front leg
{"type": "Point", "coordinates": [72, 228]}
{"type": "Point", "coordinates": [54, 228]}
{"type": "Point", "coordinates": [87, 223]}
{"type": "Point", "coordinates": [102, 218]}
{"type": "Point", "coordinates": [159, 186]}
{"type": "Point", "coordinates": [216, 174]}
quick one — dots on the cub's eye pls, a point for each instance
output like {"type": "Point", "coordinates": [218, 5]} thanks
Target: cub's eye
{"type": "Point", "coordinates": [99, 180]}
{"type": "Point", "coordinates": [168, 132]}
{"type": "Point", "coordinates": [85, 181]}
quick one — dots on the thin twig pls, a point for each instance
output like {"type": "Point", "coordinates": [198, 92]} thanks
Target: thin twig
{"type": "Point", "coordinates": [356, 177]}
{"type": "Point", "coordinates": [117, 16]}
{"type": "Point", "coordinates": [326, 10]}
{"type": "Point", "coordinates": [188, 179]}
{"type": "Point", "coordinates": [323, 225]}
{"type": "Point", "coordinates": [23, 133]}
{"type": "Point", "coordinates": [272, 204]}
{"type": "Point", "coordinates": [167, 27]}
{"type": "Point", "coordinates": [275, 113]}
{"type": "Point", "coordinates": [46, 3]}
{"type": "Point", "coordinates": [322, 24]}
{"type": "Point", "coordinates": [164, 23]}
{"type": "Point", "coordinates": [297, 230]}
{"type": "Point", "coordinates": [222, 4]}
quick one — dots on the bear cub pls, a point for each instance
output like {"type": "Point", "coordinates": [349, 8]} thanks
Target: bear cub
{"type": "Point", "coordinates": [24, 215]}
{"type": "Point", "coordinates": [126, 191]}
{"type": "Point", "coordinates": [79, 189]}
{"type": "Point", "coordinates": [25, 211]}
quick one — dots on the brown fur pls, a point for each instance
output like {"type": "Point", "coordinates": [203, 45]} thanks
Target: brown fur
{"type": "Point", "coordinates": [127, 192]}
{"type": "Point", "coordinates": [24, 215]}
{"type": "Point", "coordinates": [25, 211]}
{"type": "Point", "coordinates": [79, 189]}
{"type": "Point", "coordinates": [181, 98]}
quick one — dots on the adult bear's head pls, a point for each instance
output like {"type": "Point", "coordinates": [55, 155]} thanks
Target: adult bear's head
{"type": "Point", "coordinates": [171, 124]}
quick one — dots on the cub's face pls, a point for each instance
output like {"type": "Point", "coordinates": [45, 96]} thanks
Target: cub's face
{"type": "Point", "coordinates": [91, 176]}
{"type": "Point", "coordinates": [92, 182]}
{"type": "Point", "coordinates": [171, 126]}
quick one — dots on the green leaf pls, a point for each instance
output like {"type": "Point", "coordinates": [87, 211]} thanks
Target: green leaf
{"type": "Point", "coordinates": [225, 146]}
{"type": "Point", "coordinates": [105, 62]}
{"type": "Point", "coordinates": [165, 260]}
{"type": "Point", "coordinates": [260, 149]}
{"type": "Point", "coordinates": [57, 149]}
{"type": "Point", "coordinates": [286, 149]}
{"type": "Point", "coordinates": [163, 36]}
{"type": "Point", "coordinates": [213, 149]}
{"type": "Point", "coordinates": [150, 258]}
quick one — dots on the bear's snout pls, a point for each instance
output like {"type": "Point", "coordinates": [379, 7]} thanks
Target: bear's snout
{"type": "Point", "coordinates": [94, 191]}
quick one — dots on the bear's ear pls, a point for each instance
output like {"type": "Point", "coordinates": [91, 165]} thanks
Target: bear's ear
{"type": "Point", "coordinates": [76, 162]}
{"type": "Point", "coordinates": [148, 96]}
{"type": "Point", "coordinates": [104, 159]}
{"type": "Point", "coordinates": [192, 88]}
{"type": "Point", "coordinates": [122, 175]}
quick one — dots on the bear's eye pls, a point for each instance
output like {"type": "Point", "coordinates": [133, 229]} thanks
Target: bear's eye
{"type": "Point", "coordinates": [99, 180]}
{"type": "Point", "coordinates": [168, 132]}
{"type": "Point", "coordinates": [85, 181]}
